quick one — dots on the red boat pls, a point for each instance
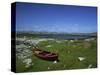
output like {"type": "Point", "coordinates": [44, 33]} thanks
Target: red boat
{"type": "Point", "coordinates": [45, 54]}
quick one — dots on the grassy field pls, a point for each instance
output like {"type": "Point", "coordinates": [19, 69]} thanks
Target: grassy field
{"type": "Point", "coordinates": [73, 54]}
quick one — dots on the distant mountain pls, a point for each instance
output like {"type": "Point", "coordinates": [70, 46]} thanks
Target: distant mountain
{"type": "Point", "coordinates": [30, 33]}
{"type": "Point", "coordinates": [54, 32]}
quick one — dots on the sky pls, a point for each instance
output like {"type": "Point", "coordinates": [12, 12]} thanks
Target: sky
{"type": "Point", "coordinates": [55, 18]}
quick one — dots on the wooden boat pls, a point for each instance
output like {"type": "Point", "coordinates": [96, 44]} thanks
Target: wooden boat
{"type": "Point", "coordinates": [45, 54]}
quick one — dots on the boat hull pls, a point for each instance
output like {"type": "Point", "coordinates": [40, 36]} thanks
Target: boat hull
{"type": "Point", "coordinates": [46, 55]}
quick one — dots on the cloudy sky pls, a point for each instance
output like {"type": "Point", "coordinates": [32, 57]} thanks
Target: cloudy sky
{"type": "Point", "coordinates": [55, 18]}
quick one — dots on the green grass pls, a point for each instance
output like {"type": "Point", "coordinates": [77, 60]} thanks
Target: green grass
{"type": "Point", "coordinates": [20, 67]}
{"type": "Point", "coordinates": [68, 56]}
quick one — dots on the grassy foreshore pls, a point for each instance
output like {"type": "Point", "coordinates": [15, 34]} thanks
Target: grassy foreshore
{"type": "Point", "coordinates": [73, 54]}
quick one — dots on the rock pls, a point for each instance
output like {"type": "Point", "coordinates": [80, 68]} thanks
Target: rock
{"type": "Point", "coordinates": [27, 62]}
{"type": "Point", "coordinates": [64, 66]}
{"type": "Point", "coordinates": [20, 46]}
{"type": "Point", "coordinates": [81, 58]}
{"type": "Point", "coordinates": [55, 62]}
{"type": "Point", "coordinates": [58, 41]}
{"type": "Point", "coordinates": [89, 39]}
{"type": "Point", "coordinates": [90, 66]}
{"type": "Point", "coordinates": [48, 46]}
{"type": "Point", "coordinates": [66, 40]}
{"type": "Point", "coordinates": [48, 67]}
{"type": "Point", "coordinates": [20, 39]}
{"type": "Point", "coordinates": [71, 40]}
